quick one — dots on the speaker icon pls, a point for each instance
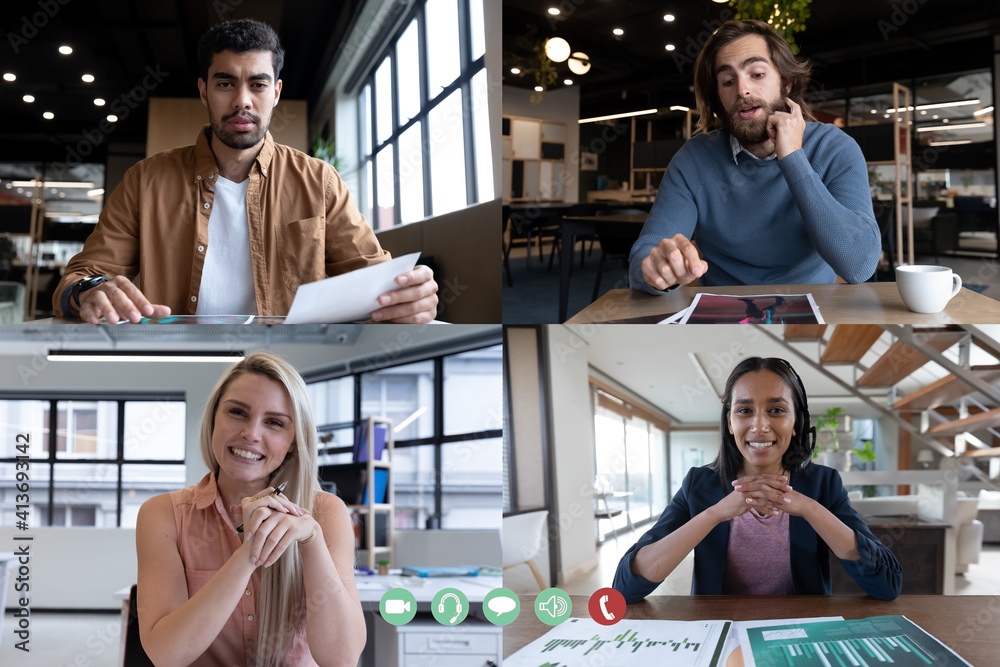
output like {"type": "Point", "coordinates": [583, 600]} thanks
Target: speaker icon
{"type": "Point", "coordinates": [553, 606]}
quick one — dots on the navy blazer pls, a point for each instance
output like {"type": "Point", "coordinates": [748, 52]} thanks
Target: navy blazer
{"type": "Point", "coordinates": [877, 571]}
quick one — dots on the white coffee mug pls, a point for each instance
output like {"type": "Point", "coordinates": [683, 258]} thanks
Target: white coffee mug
{"type": "Point", "coordinates": [925, 288]}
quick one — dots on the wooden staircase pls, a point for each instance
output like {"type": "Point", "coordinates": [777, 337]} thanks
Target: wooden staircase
{"type": "Point", "coordinates": [847, 344]}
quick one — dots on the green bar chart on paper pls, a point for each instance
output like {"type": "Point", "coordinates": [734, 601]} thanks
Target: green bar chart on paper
{"type": "Point", "coordinates": [880, 640]}
{"type": "Point", "coordinates": [581, 641]}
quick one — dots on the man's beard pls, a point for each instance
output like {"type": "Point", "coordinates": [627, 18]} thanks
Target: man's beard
{"type": "Point", "coordinates": [752, 131]}
{"type": "Point", "coordinates": [238, 140]}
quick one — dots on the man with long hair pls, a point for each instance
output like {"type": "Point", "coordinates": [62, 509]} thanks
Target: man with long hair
{"type": "Point", "coordinates": [236, 222]}
{"type": "Point", "coordinates": [769, 195]}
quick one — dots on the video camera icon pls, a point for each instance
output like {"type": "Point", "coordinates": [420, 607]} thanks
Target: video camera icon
{"type": "Point", "coordinates": [398, 606]}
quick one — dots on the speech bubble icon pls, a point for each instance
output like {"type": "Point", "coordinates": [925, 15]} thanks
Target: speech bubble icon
{"type": "Point", "coordinates": [501, 605]}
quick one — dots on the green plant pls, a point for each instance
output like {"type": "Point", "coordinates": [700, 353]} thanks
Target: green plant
{"type": "Point", "coordinates": [866, 453]}
{"type": "Point", "coordinates": [384, 562]}
{"type": "Point", "coordinates": [786, 16]}
{"type": "Point", "coordinates": [827, 422]}
{"type": "Point", "coordinates": [326, 150]}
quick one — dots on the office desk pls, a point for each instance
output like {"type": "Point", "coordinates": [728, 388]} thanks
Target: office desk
{"type": "Point", "coordinates": [867, 303]}
{"type": "Point", "coordinates": [386, 642]}
{"type": "Point", "coordinates": [627, 226]}
{"type": "Point", "coordinates": [371, 588]}
{"type": "Point", "coordinates": [968, 624]}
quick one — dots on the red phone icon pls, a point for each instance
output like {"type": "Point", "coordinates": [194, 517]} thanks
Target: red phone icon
{"type": "Point", "coordinates": [606, 606]}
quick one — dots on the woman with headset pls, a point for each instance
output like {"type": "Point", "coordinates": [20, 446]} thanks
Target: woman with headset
{"type": "Point", "coordinates": [762, 519]}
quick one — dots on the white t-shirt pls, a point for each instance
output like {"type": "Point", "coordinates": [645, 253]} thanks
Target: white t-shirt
{"type": "Point", "coordinates": [227, 278]}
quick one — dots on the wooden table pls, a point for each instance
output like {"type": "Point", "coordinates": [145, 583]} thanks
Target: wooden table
{"type": "Point", "coordinates": [627, 226]}
{"type": "Point", "coordinates": [867, 303]}
{"type": "Point", "coordinates": [968, 624]}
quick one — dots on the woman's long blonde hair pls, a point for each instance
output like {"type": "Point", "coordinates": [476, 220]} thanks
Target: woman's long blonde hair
{"type": "Point", "coordinates": [281, 604]}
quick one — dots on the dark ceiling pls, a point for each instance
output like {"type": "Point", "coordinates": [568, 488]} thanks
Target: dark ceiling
{"type": "Point", "coordinates": [851, 43]}
{"type": "Point", "coordinates": [121, 42]}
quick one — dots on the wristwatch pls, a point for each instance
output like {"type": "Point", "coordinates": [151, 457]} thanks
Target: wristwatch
{"type": "Point", "coordinates": [81, 286]}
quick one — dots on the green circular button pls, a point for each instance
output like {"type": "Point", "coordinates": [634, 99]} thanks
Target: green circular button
{"type": "Point", "coordinates": [398, 606]}
{"type": "Point", "coordinates": [501, 606]}
{"type": "Point", "coordinates": [552, 606]}
{"type": "Point", "coordinates": [450, 606]}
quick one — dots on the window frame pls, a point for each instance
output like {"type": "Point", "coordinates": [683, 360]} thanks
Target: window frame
{"type": "Point", "coordinates": [438, 438]}
{"type": "Point", "coordinates": [52, 460]}
{"type": "Point", "coordinates": [468, 69]}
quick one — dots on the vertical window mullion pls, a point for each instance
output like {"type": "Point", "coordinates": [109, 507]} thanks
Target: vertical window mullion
{"type": "Point", "coordinates": [438, 430]}
{"type": "Point", "coordinates": [465, 51]}
{"type": "Point", "coordinates": [374, 149]}
{"type": "Point", "coordinates": [53, 437]}
{"type": "Point", "coordinates": [121, 466]}
{"type": "Point", "coordinates": [425, 136]}
{"type": "Point", "coordinates": [394, 137]}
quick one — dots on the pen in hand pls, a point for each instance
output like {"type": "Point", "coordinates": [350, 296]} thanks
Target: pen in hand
{"type": "Point", "coordinates": [281, 487]}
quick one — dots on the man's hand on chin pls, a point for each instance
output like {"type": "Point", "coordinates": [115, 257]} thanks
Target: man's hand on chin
{"type": "Point", "coordinates": [414, 303]}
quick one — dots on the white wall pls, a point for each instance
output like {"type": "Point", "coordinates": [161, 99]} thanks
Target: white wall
{"type": "Point", "coordinates": [573, 435]}
{"type": "Point", "coordinates": [563, 106]}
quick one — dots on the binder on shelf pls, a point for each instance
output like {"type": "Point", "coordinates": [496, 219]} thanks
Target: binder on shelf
{"type": "Point", "coordinates": [360, 450]}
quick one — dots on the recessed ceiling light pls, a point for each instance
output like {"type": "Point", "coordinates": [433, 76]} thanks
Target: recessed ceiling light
{"type": "Point", "coordinates": [88, 78]}
{"type": "Point", "coordinates": [28, 98]}
{"type": "Point", "coordinates": [935, 116]}
{"type": "Point", "coordinates": [515, 70]}
{"type": "Point", "coordinates": [669, 17]}
{"type": "Point", "coordinates": [568, 82]}
{"type": "Point", "coordinates": [923, 112]}
{"type": "Point", "coordinates": [113, 118]}
{"type": "Point", "coordinates": [48, 115]}
{"type": "Point", "coordinates": [538, 89]}
{"type": "Point", "coordinates": [62, 195]}
{"type": "Point", "coordinates": [99, 101]}
{"type": "Point", "coordinates": [670, 47]}
{"type": "Point", "coordinates": [618, 31]}
{"type": "Point", "coordinates": [9, 76]}
{"type": "Point", "coordinates": [65, 50]}
{"type": "Point", "coordinates": [554, 11]}
{"type": "Point", "coordinates": [944, 120]}
{"type": "Point", "coordinates": [874, 110]}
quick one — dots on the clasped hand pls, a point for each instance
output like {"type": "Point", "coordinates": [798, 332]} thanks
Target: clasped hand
{"type": "Point", "coordinates": [271, 524]}
{"type": "Point", "coordinates": [768, 494]}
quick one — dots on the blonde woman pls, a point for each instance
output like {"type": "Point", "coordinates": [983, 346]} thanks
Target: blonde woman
{"type": "Point", "coordinates": [282, 591]}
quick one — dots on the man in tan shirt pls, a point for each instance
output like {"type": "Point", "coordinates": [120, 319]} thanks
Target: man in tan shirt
{"type": "Point", "coordinates": [299, 223]}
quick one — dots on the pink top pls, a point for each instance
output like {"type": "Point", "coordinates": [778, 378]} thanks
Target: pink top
{"type": "Point", "coordinates": [206, 539]}
{"type": "Point", "coordinates": [758, 561]}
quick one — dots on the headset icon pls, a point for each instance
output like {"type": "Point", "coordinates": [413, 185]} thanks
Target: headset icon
{"type": "Point", "coordinates": [458, 606]}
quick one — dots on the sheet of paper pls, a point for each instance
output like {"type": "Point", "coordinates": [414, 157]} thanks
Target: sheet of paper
{"type": "Point", "coordinates": [676, 317]}
{"type": "Point", "coordinates": [580, 642]}
{"type": "Point", "coordinates": [733, 638]}
{"type": "Point", "coordinates": [863, 642]}
{"type": "Point", "coordinates": [350, 297]}
{"type": "Point", "coordinates": [752, 309]}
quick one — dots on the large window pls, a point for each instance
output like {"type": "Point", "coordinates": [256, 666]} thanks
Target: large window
{"type": "Point", "coordinates": [447, 425]}
{"type": "Point", "coordinates": [91, 461]}
{"type": "Point", "coordinates": [423, 121]}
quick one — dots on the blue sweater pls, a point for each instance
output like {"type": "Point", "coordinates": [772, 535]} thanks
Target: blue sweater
{"type": "Point", "coordinates": [798, 220]}
{"type": "Point", "coordinates": [877, 571]}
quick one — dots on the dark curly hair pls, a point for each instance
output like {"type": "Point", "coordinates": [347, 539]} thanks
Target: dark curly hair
{"type": "Point", "coordinates": [240, 36]}
{"type": "Point", "coordinates": [800, 449]}
{"type": "Point", "coordinates": [706, 90]}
